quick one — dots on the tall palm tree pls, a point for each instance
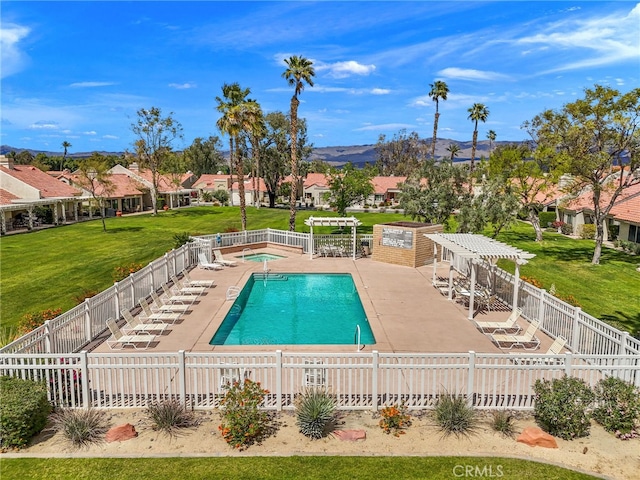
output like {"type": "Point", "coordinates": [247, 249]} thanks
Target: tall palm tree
{"type": "Point", "coordinates": [477, 113]}
{"type": "Point", "coordinates": [253, 123]}
{"type": "Point", "coordinates": [491, 136]}
{"type": "Point", "coordinates": [299, 71]}
{"type": "Point", "coordinates": [66, 145]}
{"type": "Point", "coordinates": [439, 91]}
{"type": "Point", "coordinates": [453, 149]}
{"type": "Point", "coordinates": [230, 105]}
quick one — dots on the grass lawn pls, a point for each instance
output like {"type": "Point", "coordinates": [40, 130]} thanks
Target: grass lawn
{"type": "Point", "coordinates": [309, 468]}
{"type": "Point", "coordinates": [53, 268]}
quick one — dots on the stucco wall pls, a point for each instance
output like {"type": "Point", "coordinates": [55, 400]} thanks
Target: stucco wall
{"type": "Point", "coordinates": [420, 252]}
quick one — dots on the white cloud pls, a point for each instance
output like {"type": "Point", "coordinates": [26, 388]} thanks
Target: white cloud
{"type": "Point", "coordinates": [110, 137]}
{"type": "Point", "coordinates": [471, 74]}
{"type": "Point", "coordinates": [92, 132]}
{"type": "Point", "coordinates": [380, 91]}
{"type": "Point", "coordinates": [183, 86]}
{"type": "Point", "coordinates": [44, 125]}
{"type": "Point", "coordinates": [384, 126]}
{"type": "Point", "coordinates": [344, 69]}
{"type": "Point", "coordinates": [91, 84]}
{"type": "Point", "coordinates": [13, 58]}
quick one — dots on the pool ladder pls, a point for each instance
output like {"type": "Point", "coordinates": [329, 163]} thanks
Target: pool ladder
{"type": "Point", "coordinates": [356, 339]}
{"type": "Point", "coordinates": [250, 250]}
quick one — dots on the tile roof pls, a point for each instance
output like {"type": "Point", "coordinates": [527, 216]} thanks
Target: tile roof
{"type": "Point", "coordinates": [48, 186]}
{"type": "Point", "coordinates": [628, 208]}
{"type": "Point", "coordinates": [208, 180]}
{"type": "Point", "coordinates": [248, 185]}
{"type": "Point", "coordinates": [165, 182]}
{"type": "Point", "coordinates": [122, 186]}
{"type": "Point", "coordinates": [317, 179]}
{"type": "Point", "coordinates": [585, 200]}
{"type": "Point", "coordinates": [7, 197]}
{"type": "Point", "coordinates": [385, 184]}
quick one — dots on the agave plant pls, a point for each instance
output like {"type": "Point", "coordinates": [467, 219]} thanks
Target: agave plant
{"type": "Point", "coordinates": [453, 415]}
{"type": "Point", "coordinates": [315, 412]}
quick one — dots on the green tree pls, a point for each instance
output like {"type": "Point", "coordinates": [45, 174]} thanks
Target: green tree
{"type": "Point", "coordinates": [402, 155]}
{"type": "Point", "coordinates": [477, 113]}
{"type": "Point", "coordinates": [155, 135]}
{"type": "Point", "coordinates": [439, 91]}
{"type": "Point", "coordinates": [348, 186]}
{"type": "Point", "coordinates": [453, 149]}
{"type": "Point", "coordinates": [299, 71]}
{"type": "Point", "coordinates": [596, 140]}
{"type": "Point", "coordinates": [204, 156]}
{"type": "Point", "coordinates": [93, 176]}
{"type": "Point", "coordinates": [66, 145]}
{"type": "Point", "coordinates": [253, 125]}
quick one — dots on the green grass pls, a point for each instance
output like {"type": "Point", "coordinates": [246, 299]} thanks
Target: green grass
{"type": "Point", "coordinates": [310, 468]}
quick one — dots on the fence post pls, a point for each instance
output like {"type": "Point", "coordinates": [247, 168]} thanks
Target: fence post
{"type": "Point", "coordinates": [374, 379]}
{"type": "Point", "coordinates": [116, 291]}
{"type": "Point", "coordinates": [471, 377]}
{"type": "Point", "coordinates": [543, 299]}
{"type": "Point", "coordinates": [87, 321]}
{"type": "Point", "coordinates": [132, 285]}
{"type": "Point", "coordinates": [567, 363]}
{"type": "Point", "coordinates": [623, 343]}
{"type": "Point", "coordinates": [47, 336]}
{"type": "Point", "coordinates": [575, 338]}
{"type": "Point", "coordinates": [182, 378]}
{"type": "Point", "coordinates": [84, 377]}
{"type": "Point", "coordinates": [279, 379]}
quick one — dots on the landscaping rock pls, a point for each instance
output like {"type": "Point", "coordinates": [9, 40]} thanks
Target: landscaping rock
{"type": "Point", "coordinates": [121, 433]}
{"type": "Point", "coordinates": [536, 437]}
{"type": "Point", "coordinates": [351, 435]}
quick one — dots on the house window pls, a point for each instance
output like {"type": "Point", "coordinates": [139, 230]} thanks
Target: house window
{"type": "Point", "coordinates": [634, 234]}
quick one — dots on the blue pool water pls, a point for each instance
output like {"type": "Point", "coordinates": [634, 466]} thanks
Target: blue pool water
{"type": "Point", "coordinates": [260, 257]}
{"type": "Point", "coordinates": [295, 309]}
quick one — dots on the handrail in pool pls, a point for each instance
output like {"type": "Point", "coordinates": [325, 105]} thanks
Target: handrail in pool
{"type": "Point", "coordinates": [245, 250]}
{"type": "Point", "coordinates": [357, 338]}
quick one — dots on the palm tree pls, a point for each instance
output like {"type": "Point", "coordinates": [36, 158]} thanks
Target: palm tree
{"type": "Point", "coordinates": [66, 145]}
{"type": "Point", "coordinates": [453, 149]}
{"type": "Point", "coordinates": [439, 91]}
{"type": "Point", "coordinates": [491, 136]}
{"type": "Point", "coordinates": [299, 71]}
{"type": "Point", "coordinates": [253, 123]}
{"type": "Point", "coordinates": [477, 113]}
{"type": "Point", "coordinates": [230, 105]}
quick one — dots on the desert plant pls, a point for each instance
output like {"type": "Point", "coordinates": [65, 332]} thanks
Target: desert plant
{"type": "Point", "coordinates": [80, 427]}
{"type": "Point", "coordinates": [315, 412]}
{"type": "Point", "coordinates": [242, 421]}
{"type": "Point", "coordinates": [221, 196]}
{"type": "Point", "coordinates": [395, 419]}
{"type": "Point", "coordinates": [560, 407]}
{"type": "Point", "coordinates": [618, 407]}
{"type": "Point", "coordinates": [24, 409]}
{"type": "Point", "coordinates": [179, 239]}
{"type": "Point", "coordinates": [453, 415]}
{"type": "Point", "coordinates": [169, 416]}
{"type": "Point", "coordinates": [502, 422]}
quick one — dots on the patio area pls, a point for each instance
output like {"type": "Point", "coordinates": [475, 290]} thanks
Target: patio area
{"type": "Point", "coordinates": [405, 311]}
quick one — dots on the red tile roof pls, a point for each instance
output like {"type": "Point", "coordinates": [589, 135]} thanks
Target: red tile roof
{"type": "Point", "coordinates": [628, 208]}
{"type": "Point", "coordinates": [317, 179]}
{"type": "Point", "coordinates": [585, 200]}
{"type": "Point", "coordinates": [248, 185]}
{"type": "Point", "coordinates": [383, 185]}
{"type": "Point", "coordinates": [208, 180]}
{"type": "Point", "coordinates": [48, 186]}
{"type": "Point", "coordinates": [7, 197]}
{"type": "Point", "coordinates": [165, 182]}
{"type": "Point", "coordinates": [122, 186]}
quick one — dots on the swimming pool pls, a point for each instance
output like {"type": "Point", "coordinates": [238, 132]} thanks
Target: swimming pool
{"type": "Point", "coordinates": [296, 309]}
{"type": "Point", "coordinates": [260, 257]}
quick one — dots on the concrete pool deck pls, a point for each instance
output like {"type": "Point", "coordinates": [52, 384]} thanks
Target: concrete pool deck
{"type": "Point", "coordinates": [406, 313]}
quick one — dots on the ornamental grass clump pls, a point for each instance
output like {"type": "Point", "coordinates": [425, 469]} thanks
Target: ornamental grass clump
{"type": "Point", "coordinates": [243, 423]}
{"type": "Point", "coordinates": [170, 416]}
{"type": "Point", "coordinates": [502, 422]}
{"type": "Point", "coordinates": [316, 412]}
{"type": "Point", "coordinates": [561, 407]}
{"type": "Point", "coordinates": [453, 415]}
{"type": "Point", "coordinates": [618, 407]}
{"type": "Point", "coordinates": [80, 427]}
{"type": "Point", "coordinates": [395, 419]}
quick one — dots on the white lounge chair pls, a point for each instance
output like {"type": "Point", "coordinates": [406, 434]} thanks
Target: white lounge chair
{"type": "Point", "coordinates": [555, 349]}
{"type": "Point", "coordinates": [119, 338]}
{"type": "Point", "coordinates": [159, 306]}
{"type": "Point", "coordinates": [135, 325]}
{"type": "Point", "coordinates": [148, 314]}
{"type": "Point", "coordinates": [220, 259]}
{"type": "Point", "coordinates": [182, 288]}
{"type": "Point", "coordinates": [169, 296]}
{"type": "Point", "coordinates": [189, 282]}
{"type": "Point", "coordinates": [528, 341]}
{"type": "Point", "coordinates": [508, 326]}
{"type": "Point", "coordinates": [206, 264]}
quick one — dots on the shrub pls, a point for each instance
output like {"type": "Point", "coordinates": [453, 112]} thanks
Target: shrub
{"type": "Point", "coordinates": [221, 196]}
{"type": "Point", "coordinates": [170, 416]}
{"type": "Point", "coordinates": [31, 321]}
{"type": "Point", "coordinates": [588, 231]}
{"type": "Point", "coordinates": [614, 231]}
{"type": "Point", "coordinates": [570, 299]}
{"type": "Point", "coordinates": [395, 419]}
{"type": "Point", "coordinates": [123, 271]}
{"type": "Point", "coordinates": [82, 296]}
{"type": "Point", "coordinates": [23, 410]}
{"type": "Point", "coordinates": [79, 426]}
{"type": "Point", "coordinates": [546, 218]}
{"type": "Point", "coordinates": [567, 229]}
{"type": "Point", "coordinates": [242, 422]}
{"type": "Point", "coordinates": [618, 407]}
{"type": "Point", "coordinates": [453, 415]}
{"type": "Point", "coordinates": [315, 412]}
{"type": "Point", "coordinates": [179, 239]}
{"type": "Point", "coordinates": [558, 224]}
{"type": "Point", "coordinates": [560, 407]}
{"type": "Point", "coordinates": [533, 281]}
{"type": "Point", "coordinates": [502, 422]}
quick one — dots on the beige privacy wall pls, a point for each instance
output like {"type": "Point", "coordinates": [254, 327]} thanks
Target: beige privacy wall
{"type": "Point", "coordinates": [404, 243]}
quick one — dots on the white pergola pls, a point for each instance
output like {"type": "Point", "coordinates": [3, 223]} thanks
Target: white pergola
{"type": "Point", "coordinates": [477, 247]}
{"type": "Point", "coordinates": [333, 222]}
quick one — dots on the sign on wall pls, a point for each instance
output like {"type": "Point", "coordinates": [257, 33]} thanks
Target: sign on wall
{"type": "Point", "coordinates": [397, 237]}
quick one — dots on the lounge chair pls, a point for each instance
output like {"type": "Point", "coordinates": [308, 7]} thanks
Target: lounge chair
{"type": "Point", "coordinates": [555, 349]}
{"type": "Point", "coordinates": [508, 326]}
{"type": "Point", "coordinates": [182, 288]}
{"type": "Point", "coordinates": [119, 338]}
{"type": "Point", "coordinates": [135, 325]}
{"type": "Point", "coordinates": [148, 314]}
{"type": "Point", "coordinates": [189, 282]}
{"type": "Point", "coordinates": [206, 264]}
{"type": "Point", "coordinates": [159, 306]}
{"type": "Point", "coordinates": [220, 259]}
{"type": "Point", "coordinates": [170, 297]}
{"type": "Point", "coordinates": [528, 341]}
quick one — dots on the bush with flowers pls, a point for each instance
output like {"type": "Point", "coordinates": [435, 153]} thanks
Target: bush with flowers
{"type": "Point", "coordinates": [618, 407]}
{"type": "Point", "coordinates": [31, 321]}
{"type": "Point", "coordinates": [123, 271]}
{"type": "Point", "coordinates": [395, 419]}
{"type": "Point", "coordinates": [243, 422]}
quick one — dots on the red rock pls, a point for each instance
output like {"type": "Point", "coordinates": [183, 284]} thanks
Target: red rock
{"type": "Point", "coordinates": [536, 437]}
{"type": "Point", "coordinates": [350, 435]}
{"type": "Point", "coordinates": [121, 433]}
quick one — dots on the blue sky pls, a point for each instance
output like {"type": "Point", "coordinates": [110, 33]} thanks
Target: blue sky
{"type": "Point", "coordinates": [79, 71]}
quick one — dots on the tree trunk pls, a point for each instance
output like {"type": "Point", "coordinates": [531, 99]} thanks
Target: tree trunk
{"type": "Point", "coordinates": [243, 202]}
{"type": "Point", "coordinates": [272, 199]}
{"type": "Point", "coordinates": [294, 163]}
{"type": "Point", "coordinates": [599, 240]}
{"type": "Point", "coordinates": [231, 168]}
{"type": "Point", "coordinates": [473, 158]}
{"type": "Point", "coordinates": [535, 222]}
{"type": "Point", "coordinates": [435, 132]}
